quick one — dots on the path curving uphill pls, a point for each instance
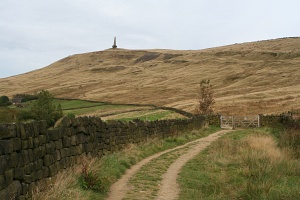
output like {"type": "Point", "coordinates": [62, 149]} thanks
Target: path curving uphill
{"type": "Point", "coordinates": [169, 188]}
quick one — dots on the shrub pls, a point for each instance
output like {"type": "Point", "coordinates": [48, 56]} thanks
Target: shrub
{"type": "Point", "coordinates": [24, 115]}
{"type": "Point", "coordinates": [90, 179]}
{"type": "Point", "coordinates": [4, 101]}
{"type": "Point", "coordinates": [43, 109]}
{"type": "Point", "coordinates": [71, 115]}
{"type": "Point", "coordinates": [206, 99]}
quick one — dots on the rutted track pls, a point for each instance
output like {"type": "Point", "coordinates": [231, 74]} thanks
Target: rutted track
{"type": "Point", "coordinates": [169, 189]}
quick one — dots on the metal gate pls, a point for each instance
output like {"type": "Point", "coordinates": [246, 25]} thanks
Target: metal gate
{"type": "Point", "coordinates": [231, 122]}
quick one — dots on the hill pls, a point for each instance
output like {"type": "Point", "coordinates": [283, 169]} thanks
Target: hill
{"type": "Point", "coordinates": [248, 78]}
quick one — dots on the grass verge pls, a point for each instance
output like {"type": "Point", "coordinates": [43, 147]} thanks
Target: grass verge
{"type": "Point", "coordinates": [244, 164]}
{"type": "Point", "coordinates": [109, 168]}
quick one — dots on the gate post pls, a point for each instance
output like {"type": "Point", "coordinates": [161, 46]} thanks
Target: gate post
{"type": "Point", "coordinates": [233, 123]}
{"type": "Point", "coordinates": [221, 121]}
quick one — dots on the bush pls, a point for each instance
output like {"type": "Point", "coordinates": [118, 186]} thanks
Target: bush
{"type": "Point", "coordinates": [71, 115]}
{"type": "Point", "coordinates": [4, 101]}
{"type": "Point", "coordinates": [24, 115]}
{"type": "Point", "coordinates": [43, 109]}
{"type": "Point", "coordinates": [206, 99]}
{"type": "Point", "coordinates": [90, 179]}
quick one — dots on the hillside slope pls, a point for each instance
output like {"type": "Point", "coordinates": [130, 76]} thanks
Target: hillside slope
{"type": "Point", "coordinates": [248, 78]}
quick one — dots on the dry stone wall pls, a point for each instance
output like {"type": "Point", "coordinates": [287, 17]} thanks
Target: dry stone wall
{"type": "Point", "coordinates": [30, 152]}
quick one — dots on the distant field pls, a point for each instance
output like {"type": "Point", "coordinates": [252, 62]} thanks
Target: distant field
{"type": "Point", "coordinates": [149, 115]}
{"type": "Point", "coordinates": [110, 111]}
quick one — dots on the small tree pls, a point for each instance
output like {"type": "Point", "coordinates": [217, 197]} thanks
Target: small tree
{"type": "Point", "coordinates": [4, 101]}
{"type": "Point", "coordinates": [43, 108]}
{"type": "Point", "coordinates": [206, 99]}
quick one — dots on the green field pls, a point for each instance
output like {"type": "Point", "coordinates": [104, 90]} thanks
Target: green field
{"type": "Point", "coordinates": [108, 111]}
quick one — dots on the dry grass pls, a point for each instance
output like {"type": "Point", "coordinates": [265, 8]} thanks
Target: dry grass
{"type": "Point", "coordinates": [248, 78]}
{"type": "Point", "coordinates": [63, 185]}
{"type": "Point", "coordinates": [242, 165]}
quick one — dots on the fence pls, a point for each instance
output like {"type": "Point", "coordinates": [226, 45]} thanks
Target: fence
{"type": "Point", "coordinates": [240, 121]}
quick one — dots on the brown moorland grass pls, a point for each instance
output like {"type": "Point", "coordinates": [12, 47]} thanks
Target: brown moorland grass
{"type": "Point", "coordinates": [248, 78]}
{"type": "Point", "coordinates": [245, 164]}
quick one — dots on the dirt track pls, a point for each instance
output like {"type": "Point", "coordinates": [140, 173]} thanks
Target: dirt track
{"type": "Point", "coordinates": [169, 188]}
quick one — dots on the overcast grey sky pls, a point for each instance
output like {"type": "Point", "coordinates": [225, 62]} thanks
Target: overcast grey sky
{"type": "Point", "coordinates": [36, 33]}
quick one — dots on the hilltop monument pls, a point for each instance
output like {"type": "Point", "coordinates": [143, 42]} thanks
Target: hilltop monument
{"type": "Point", "coordinates": [114, 46]}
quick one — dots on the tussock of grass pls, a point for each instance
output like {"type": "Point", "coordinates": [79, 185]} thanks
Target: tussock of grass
{"type": "Point", "coordinates": [66, 185]}
{"type": "Point", "coordinates": [242, 165]}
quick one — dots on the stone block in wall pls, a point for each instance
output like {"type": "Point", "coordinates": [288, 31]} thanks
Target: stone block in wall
{"type": "Point", "coordinates": [24, 159]}
{"type": "Point", "coordinates": [66, 141]}
{"type": "Point", "coordinates": [80, 129]}
{"type": "Point", "coordinates": [35, 128]}
{"type": "Point", "coordinates": [67, 151]}
{"type": "Point", "coordinates": [87, 147]}
{"type": "Point", "coordinates": [28, 179]}
{"type": "Point", "coordinates": [54, 169]}
{"type": "Point", "coordinates": [36, 142]}
{"type": "Point", "coordinates": [58, 144]}
{"type": "Point", "coordinates": [39, 175]}
{"type": "Point", "coordinates": [39, 164]}
{"type": "Point", "coordinates": [74, 150]}
{"type": "Point", "coordinates": [54, 134]}
{"type": "Point", "coordinates": [50, 147]}
{"type": "Point", "coordinates": [81, 138]}
{"type": "Point", "coordinates": [79, 149]}
{"type": "Point", "coordinates": [6, 146]}
{"type": "Point", "coordinates": [39, 152]}
{"type": "Point", "coordinates": [31, 156]}
{"type": "Point", "coordinates": [13, 191]}
{"type": "Point", "coordinates": [17, 144]}
{"type": "Point", "coordinates": [14, 159]}
{"type": "Point", "coordinates": [24, 144]}
{"type": "Point", "coordinates": [63, 153]}
{"type": "Point", "coordinates": [58, 157]}
{"type": "Point", "coordinates": [19, 173]}
{"type": "Point", "coordinates": [48, 160]}
{"type": "Point", "coordinates": [62, 163]}
{"type": "Point", "coordinates": [68, 161]}
{"type": "Point", "coordinates": [75, 122]}
{"type": "Point", "coordinates": [73, 140]}
{"type": "Point", "coordinates": [42, 139]}
{"type": "Point", "coordinates": [8, 131]}
{"type": "Point", "coordinates": [25, 188]}
{"type": "Point", "coordinates": [30, 142]}
{"type": "Point", "coordinates": [28, 169]}
{"type": "Point", "coordinates": [63, 122]}
{"type": "Point", "coordinates": [43, 126]}
{"type": "Point", "coordinates": [45, 171]}
{"type": "Point", "coordinates": [23, 133]}
{"type": "Point", "coordinates": [2, 182]}
{"type": "Point", "coordinates": [9, 176]}
{"type": "Point", "coordinates": [29, 129]}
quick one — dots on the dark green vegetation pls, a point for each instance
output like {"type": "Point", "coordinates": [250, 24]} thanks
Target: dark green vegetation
{"type": "Point", "coordinates": [4, 101]}
{"type": "Point", "coordinates": [42, 109]}
{"type": "Point", "coordinates": [246, 164]}
{"type": "Point", "coordinates": [106, 170]}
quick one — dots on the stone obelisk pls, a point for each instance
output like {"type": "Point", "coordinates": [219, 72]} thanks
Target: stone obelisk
{"type": "Point", "coordinates": [114, 46]}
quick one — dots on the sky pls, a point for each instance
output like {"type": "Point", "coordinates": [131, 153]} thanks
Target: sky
{"type": "Point", "coordinates": [36, 33]}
